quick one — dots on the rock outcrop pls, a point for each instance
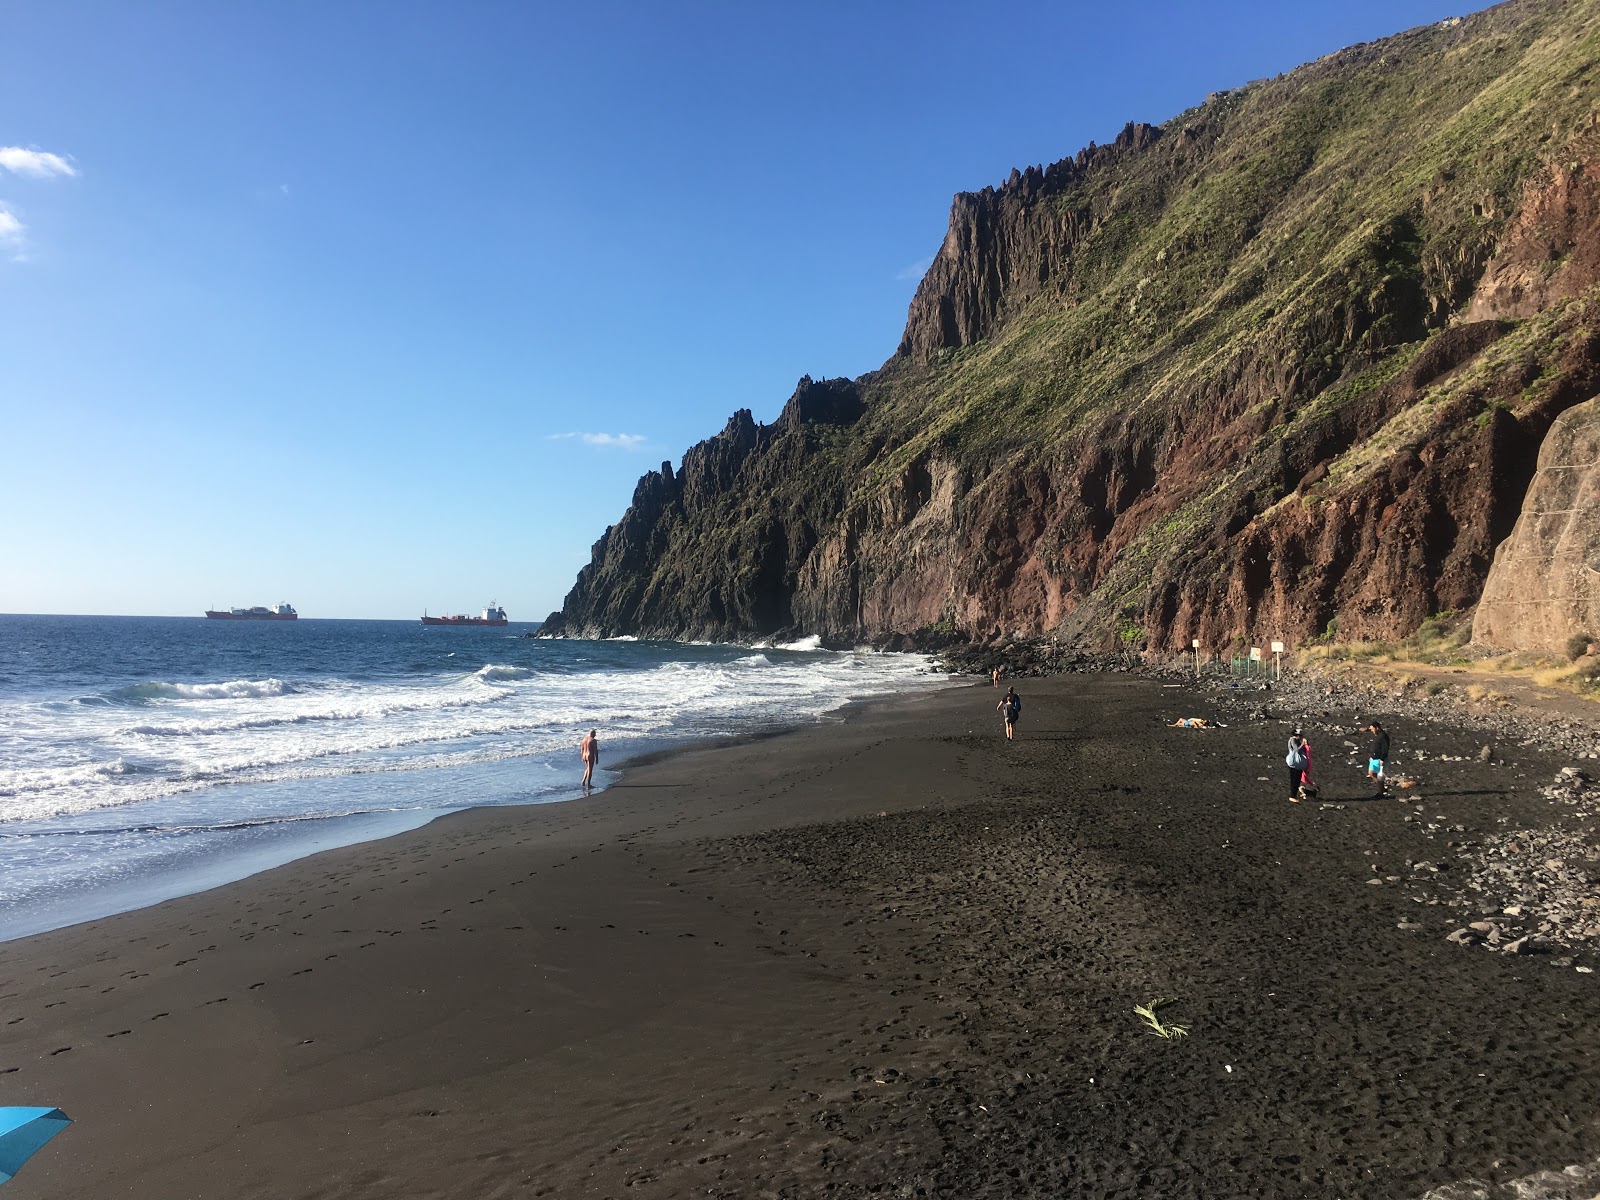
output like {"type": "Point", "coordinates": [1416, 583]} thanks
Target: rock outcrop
{"type": "Point", "coordinates": [1004, 246]}
{"type": "Point", "coordinates": [1544, 587]}
{"type": "Point", "coordinates": [1279, 367]}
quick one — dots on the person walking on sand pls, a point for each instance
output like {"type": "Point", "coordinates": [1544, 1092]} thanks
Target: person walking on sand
{"type": "Point", "coordinates": [1010, 707]}
{"type": "Point", "coordinates": [1378, 758]}
{"type": "Point", "coordinates": [1298, 760]}
{"type": "Point", "coordinates": [589, 751]}
{"type": "Point", "coordinates": [994, 677]}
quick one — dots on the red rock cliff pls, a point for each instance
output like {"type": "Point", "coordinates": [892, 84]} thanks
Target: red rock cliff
{"type": "Point", "coordinates": [1279, 367]}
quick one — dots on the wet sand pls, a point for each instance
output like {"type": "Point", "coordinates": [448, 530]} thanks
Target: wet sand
{"type": "Point", "coordinates": [891, 957]}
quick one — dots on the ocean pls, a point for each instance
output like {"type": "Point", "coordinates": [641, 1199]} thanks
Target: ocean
{"type": "Point", "coordinates": [143, 758]}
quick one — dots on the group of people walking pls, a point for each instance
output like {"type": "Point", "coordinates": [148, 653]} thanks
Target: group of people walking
{"type": "Point", "coordinates": [1298, 761]}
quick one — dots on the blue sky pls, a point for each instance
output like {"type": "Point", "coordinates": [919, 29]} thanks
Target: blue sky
{"type": "Point", "coordinates": [297, 299]}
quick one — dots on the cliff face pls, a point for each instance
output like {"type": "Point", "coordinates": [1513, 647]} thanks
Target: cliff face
{"type": "Point", "coordinates": [1544, 586]}
{"type": "Point", "coordinates": [1278, 367]}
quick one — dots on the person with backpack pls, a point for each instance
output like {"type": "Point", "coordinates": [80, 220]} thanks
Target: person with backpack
{"type": "Point", "coordinates": [1010, 707]}
{"type": "Point", "coordinates": [1298, 760]}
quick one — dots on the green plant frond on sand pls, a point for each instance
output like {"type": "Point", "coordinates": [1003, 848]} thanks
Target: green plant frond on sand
{"type": "Point", "coordinates": [1148, 1013]}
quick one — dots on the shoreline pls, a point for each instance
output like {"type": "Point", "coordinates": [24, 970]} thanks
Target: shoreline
{"type": "Point", "coordinates": [239, 864]}
{"type": "Point", "coordinates": [890, 952]}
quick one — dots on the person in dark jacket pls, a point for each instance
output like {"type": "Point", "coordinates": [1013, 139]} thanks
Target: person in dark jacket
{"type": "Point", "coordinates": [1378, 757]}
{"type": "Point", "coordinates": [1010, 707]}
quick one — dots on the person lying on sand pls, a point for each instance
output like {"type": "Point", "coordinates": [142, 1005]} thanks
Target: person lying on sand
{"type": "Point", "coordinates": [1190, 723]}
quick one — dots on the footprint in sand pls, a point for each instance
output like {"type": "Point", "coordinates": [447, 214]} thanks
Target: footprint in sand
{"type": "Point", "coordinates": [254, 986]}
{"type": "Point", "coordinates": [119, 1033]}
{"type": "Point", "coordinates": [63, 1050]}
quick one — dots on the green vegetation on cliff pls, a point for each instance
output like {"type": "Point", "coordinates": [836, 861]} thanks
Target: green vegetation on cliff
{"type": "Point", "coordinates": [1284, 360]}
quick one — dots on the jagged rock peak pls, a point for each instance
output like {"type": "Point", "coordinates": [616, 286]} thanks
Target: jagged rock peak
{"type": "Point", "coordinates": [998, 249]}
{"type": "Point", "coordinates": [822, 402]}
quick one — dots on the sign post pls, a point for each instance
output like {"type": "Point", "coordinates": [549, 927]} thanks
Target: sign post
{"type": "Point", "coordinates": [1277, 660]}
{"type": "Point", "coordinates": [1196, 644]}
{"type": "Point", "coordinates": [1255, 659]}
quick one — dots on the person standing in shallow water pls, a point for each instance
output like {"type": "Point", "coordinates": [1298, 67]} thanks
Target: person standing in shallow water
{"type": "Point", "coordinates": [589, 751]}
{"type": "Point", "coordinates": [1010, 707]}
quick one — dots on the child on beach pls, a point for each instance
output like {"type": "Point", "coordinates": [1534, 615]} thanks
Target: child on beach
{"type": "Point", "coordinates": [1010, 707]}
{"type": "Point", "coordinates": [1378, 758]}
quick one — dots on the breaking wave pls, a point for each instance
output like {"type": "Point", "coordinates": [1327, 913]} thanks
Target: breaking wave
{"type": "Point", "coordinates": [243, 744]}
{"type": "Point", "coordinates": [501, 673]}
{"type": "Point", "coordinates": [233, 689]}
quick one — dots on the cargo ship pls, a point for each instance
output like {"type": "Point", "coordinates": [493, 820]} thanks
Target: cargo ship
{"type": "Point", "coordinates": [278, 612]}
{"type": "Point", "coordinates": [493, 615]}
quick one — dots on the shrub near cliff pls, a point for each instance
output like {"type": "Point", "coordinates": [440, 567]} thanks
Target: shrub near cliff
{"type": "Point", "coordinates": [1279, 365]}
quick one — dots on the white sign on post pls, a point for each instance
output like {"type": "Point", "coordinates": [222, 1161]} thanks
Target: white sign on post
{"type": "Point", "coordinates": [1277, 647]}
{"type": "Point", "coordinates": [1255, 653]}
{"type": "Point", "coordinates": [1277, 660]}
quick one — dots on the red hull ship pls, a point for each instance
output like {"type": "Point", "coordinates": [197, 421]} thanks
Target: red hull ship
{"type": "Point", "coordinates": [493, 615]}
{"type": "Point", "coordinates": [278, 612]}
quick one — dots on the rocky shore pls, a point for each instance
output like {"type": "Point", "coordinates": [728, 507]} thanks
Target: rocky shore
{"type": "Point", "coordinates": [1528, 887]}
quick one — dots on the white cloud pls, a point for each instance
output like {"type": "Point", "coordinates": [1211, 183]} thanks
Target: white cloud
{"type": "Point", "coordinates": [38, 164]}
{"type": "Point", "coordinates": [13, 233]}
{"type": "Point", "coordinates": [624, 441]}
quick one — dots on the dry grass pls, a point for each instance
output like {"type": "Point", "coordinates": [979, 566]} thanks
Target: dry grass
{"type": "Point", "coordinates": [1441, 645]}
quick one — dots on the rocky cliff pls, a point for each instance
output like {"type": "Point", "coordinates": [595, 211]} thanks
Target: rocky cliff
{"type": "Point", "coordinates": [1544, 586]}
{"type": "Point", "coordinates": [1280, 366]}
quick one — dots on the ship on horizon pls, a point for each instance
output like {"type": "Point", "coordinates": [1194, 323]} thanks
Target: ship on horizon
{"type": "Point", "coordinates": [278, 612]}
{"type": "Point", "coordinates": [493, 615]}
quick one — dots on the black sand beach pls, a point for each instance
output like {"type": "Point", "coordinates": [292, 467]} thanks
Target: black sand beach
{"type": "Point", "coordinates": [891, 957]}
